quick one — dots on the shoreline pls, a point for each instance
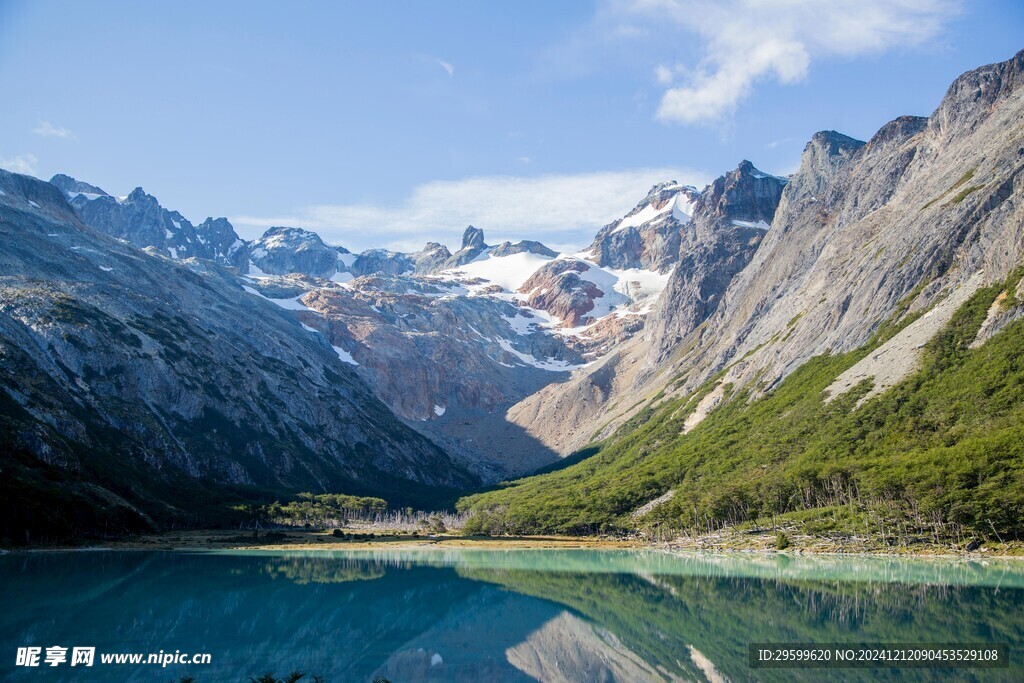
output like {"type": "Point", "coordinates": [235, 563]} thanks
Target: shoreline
{"type": "Point", "coordinates": [356, 539]}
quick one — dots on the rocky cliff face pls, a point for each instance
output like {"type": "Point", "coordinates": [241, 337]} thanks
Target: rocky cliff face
{"type": "Point", "coordinates": [923, 207]}
{"type": "Point", "coordinates": [137, 375]}
{"type": "Point", "coordinates": [730, 218]}
{"type": "Point", "coordinates": [138, 218]}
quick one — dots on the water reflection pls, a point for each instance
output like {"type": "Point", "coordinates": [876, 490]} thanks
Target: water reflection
{"type": "Point", "coordinates": [449, 615]}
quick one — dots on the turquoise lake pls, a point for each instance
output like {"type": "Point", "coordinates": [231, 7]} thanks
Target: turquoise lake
{"type": "Point", "coordinates": [494, 615]}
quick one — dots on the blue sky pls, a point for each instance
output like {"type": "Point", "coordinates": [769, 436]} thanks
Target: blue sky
{"type": "Point", "coordinates": [390, 123]}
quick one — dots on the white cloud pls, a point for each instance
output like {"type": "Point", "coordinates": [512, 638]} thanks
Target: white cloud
{"type": "Point", "coordinates": [745, 42]}
{"type": "Point", "coordinates": [48, 130]}
{"type": "Point", "coordinates": [22, 163]}
{"type": "Point", "coordinates": [565, 209]}
{"type": "Point", "coordinates": [447, 67]}
{"type": "Point", "coordinates": [663, 74]}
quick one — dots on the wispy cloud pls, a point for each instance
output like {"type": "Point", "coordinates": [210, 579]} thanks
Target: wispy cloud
{"type": "Point", "coordinates": [48, 130]}
{"type": "Point", "coordinates": [22, 163]}
{"type": "Point", "coordinates": [746, 42]}
{"type": "Point", "coordinates": [565, 209]}
{"type": "Point", "coordinates": [449, 69]}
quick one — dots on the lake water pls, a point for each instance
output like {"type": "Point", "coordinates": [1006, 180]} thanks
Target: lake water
{"type": "Point", "coordinates": [492, 615]}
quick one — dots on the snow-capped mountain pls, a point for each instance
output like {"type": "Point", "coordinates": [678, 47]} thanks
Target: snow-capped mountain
{"type": "Point", "coordinates": [448, 341]}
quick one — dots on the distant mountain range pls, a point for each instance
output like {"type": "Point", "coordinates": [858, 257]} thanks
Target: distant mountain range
{"type": "Point", "coordinates": [451, 341]}
{"type": "Point", "coordinates": [149, 363]}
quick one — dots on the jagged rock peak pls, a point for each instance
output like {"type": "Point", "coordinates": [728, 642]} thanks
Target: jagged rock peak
{"type": "Point", "coordinates": [71, 186]}
{"type": "Point", "coordinates": [137, 194]}
{"type": "Point", "coordinates": [742, 194]}
{"type": "Point", "coordinates": [430, 247]}
{"type": "Point", "coordinates": [898, 130]}
{"type": "Point", "coordinates": [432, 257]}
{"type": "Point", "coordinates": [530, 246]}
{"type": "Point", "coordinates": [282, 250]}
{"type": "Point", "coordinates": [660, 194]}
{"type": "Point", "coordinates": [831, 143]}
{"type": "Point", "coordinates": [473, 238]}
{"type": "Point", "coordinates": [382, 261]}
{"type": "Point", "coordinates": [28, 193]}
{"type": "Point", "coordinates": [971, 96]}
{"type": "Point", "coordinates": [825, 155]}
{"type": "Point", "coordinates": [281, 233]}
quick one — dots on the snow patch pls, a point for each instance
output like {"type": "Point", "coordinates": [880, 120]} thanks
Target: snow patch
{"type": "Point", "coordinates": [33, 203]}
{"type": "Point", "coordinates": [255, 272]}
{"type": "Point", "coordinates": [287, 304]}
{"type": "Point", "coordinates": [106, 268]}
{"type": "Point", "coordinates": [759, 225]}
{"type": "Point", "coordinates": [341, 277]}
{"type": "Point", "coordinates": [682, 207]}
{"type": "Point", "coordinates": [508, 272]}
{"type": "Point", "coordinates": [344, 355]}
{"type": "Point", "coordinates": [439, 411]}
{"type": "Point", "coordinates": [549, 364]}
{"type": "Point", "coordinates": [88, 195]}
{"type": "Point", "coordinates": [644, 215]}
{"type": "Point", "coordinates": [520, 324]}
{"type": "Point", "coordinates": [292, 304]}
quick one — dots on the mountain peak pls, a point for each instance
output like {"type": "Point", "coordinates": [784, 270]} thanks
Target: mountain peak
{"type": "Point", "coordinates": [745, 194]}
{"type": "Point", "coordinates": [70, 186]}
{"type": "Point", "coordinates": [973, 95]}
{"type": "Point", "coordinates": [473, 238]}
{"type": "Point", "coordinates": [523, 246]}
{"type": "Point", "coordinates": [136, 194]}
{"type": "Point", "coordinates": [658, 188]}
{"type": "Point", "coordinates": [831, 142]}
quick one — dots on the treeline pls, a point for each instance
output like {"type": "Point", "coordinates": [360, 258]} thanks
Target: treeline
{"type": "Point", "coordinates": [317, 510]}
{"type": "Point", "coordinates": [335, 510]}
{"type": "Point", "coordinates": [941, 453]}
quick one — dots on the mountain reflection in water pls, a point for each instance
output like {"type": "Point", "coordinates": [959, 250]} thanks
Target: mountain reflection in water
{"type": "Point", "coordinates": [475, 615]}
